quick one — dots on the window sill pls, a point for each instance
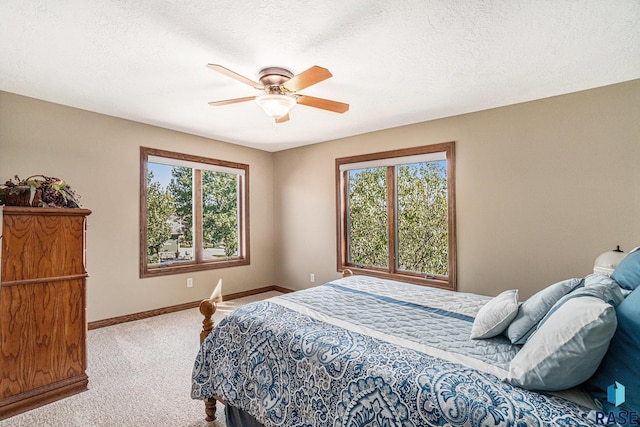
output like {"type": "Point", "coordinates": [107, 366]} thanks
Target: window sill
{"type": "Point", "coordinates": [187, 268]}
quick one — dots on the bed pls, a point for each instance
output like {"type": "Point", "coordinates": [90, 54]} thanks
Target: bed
{"type": "Point", "coordinates": [361, 351]}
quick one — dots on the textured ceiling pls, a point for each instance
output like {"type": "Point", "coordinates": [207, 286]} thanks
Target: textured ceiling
{"type": "Point", "coordinates": [395, 62]}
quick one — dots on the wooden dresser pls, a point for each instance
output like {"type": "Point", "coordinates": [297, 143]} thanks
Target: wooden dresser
{"type": "Point", "coordinates": [43, 324]}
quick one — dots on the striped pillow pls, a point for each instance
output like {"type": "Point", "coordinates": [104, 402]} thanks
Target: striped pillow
{"type": "Point", "coordinates": [567, 347]}
{"type": "Point", "coordinates": [535, 308]}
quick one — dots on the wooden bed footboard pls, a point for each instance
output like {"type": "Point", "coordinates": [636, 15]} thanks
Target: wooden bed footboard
{"type": "Point", "coordinates": [208, 308]}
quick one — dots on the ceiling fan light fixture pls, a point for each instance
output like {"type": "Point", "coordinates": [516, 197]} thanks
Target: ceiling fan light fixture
{"type": "Point", "coordinates": [276, 106]}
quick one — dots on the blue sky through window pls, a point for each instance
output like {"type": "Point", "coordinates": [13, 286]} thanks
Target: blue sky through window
{"type": "Point", "coordinates": [161, 173]}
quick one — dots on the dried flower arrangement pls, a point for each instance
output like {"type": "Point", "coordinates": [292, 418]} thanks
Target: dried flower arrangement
{"type": "Point", "coordinates": [40, 191]}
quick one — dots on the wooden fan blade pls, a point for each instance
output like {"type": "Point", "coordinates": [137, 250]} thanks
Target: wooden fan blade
{"type": "Point", "coordinates": [325, 104]}
{"type": "Point", "coordinates": [307, 78]}
{"type": "Point", "coordinates": [227, 72]}
{"type": "Point", "coordinates": [283, 119]}
{"type": "Point", "coordinates": [231, 101]}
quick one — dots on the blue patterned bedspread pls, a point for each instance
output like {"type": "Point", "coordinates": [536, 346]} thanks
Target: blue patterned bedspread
{"type": "Point", "coordinates": [369, 352]}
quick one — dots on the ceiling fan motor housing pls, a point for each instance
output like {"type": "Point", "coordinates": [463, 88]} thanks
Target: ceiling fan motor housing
{"type": "Point", "coordinates": [272, 78]}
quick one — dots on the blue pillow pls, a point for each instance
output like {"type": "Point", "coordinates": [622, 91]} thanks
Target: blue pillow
{"type": "Point", "coordinates": [595, 285]}
{"type": "Point", "coordinates": [623, 357]}
{"type": "Point", "coordinates": [534, 309]}
{"type": "Point", "coordinates": [567, 347]}
{"type": "Point", "coordinates": [627, 273]}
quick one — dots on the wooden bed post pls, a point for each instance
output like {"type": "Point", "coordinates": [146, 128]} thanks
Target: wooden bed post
{"type": "Point", "coordinates": [208, 308]}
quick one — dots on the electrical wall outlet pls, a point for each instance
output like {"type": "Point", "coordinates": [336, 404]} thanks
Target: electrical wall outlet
{"type": "Point", "coordinates": [189, 282]}
{"type": "Point", "coordinates": [312, 278]}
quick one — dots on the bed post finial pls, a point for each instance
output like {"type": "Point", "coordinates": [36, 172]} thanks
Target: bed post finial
{"type": "Point", "coordinates": [207, 308]}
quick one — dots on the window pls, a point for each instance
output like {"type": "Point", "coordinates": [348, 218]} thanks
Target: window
{"type": "Point", "coordinates": [396, 215]}
{"type": "Point", "coordinates": [193, 213]}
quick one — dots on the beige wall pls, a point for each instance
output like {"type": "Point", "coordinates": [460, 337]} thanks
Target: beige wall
{"type": "Point", "coordinates": [542, 188]}
{"type": "Point", "coordinates": [99, 157]}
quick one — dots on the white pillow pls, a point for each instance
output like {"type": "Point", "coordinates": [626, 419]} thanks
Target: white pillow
{"type": "Point", "coordinates": [567, 347]}
{"type": "Point", "coordinates": [494, 316]}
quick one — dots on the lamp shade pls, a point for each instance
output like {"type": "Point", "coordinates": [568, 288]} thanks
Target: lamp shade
{"type": "Point", "coordinates": [607, 262]}
{"type": "Point", "coordinates": [276, 106]}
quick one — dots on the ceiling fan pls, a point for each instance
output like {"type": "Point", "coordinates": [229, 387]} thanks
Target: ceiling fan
{"type": "Point", "coordinates": [281, 88]}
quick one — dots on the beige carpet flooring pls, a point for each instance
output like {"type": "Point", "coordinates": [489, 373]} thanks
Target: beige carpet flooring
{"type": "Point", "coordinates": [139, 375]}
